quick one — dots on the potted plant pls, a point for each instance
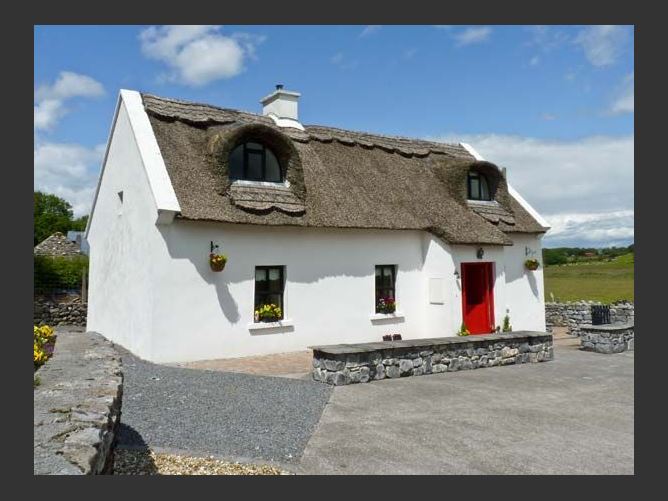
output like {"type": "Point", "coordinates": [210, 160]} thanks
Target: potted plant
{"type": "Point", "coordinates": [268, 313]}
{"type": "Point", "coordinates": [217, 261]}
{"type": "Point", "coordinates": [396, 337]}
{"type": "Point", "coordinates": [531, 264]}
{"type": "Point", "coordinates": [387, 337]}
{"type": "Point", "coordinates": [463, 330]}
{"type": "Point", "coordinates": [386, 305]}
{"type": "Point", "coordinates": [506, 324]}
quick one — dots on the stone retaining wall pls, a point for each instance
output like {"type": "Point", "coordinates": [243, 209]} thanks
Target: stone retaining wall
{"type": "Point", "coordinates": [365, 362]}
{"type": "Point", "coordinates": [577, 313]}
{"type": "Point", "coordinates": [610, 338]}
{"type": "Point", "coordinates": [77, 406]}
{"type": "Point", "coordinates": [72, 312]}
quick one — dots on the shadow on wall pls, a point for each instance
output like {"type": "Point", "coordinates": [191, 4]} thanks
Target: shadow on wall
{"type": "Point", "coordinates": [330, 256]}
{"type": "Point", "coordinates": [220, 281]}
{"type": "Point", "coordinates": [521, 273]}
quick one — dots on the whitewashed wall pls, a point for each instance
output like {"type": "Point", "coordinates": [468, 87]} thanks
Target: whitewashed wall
{"type": "Point", "coordinates": [329, 294]}
{"type": "Point", "coordinates": [123, 241]}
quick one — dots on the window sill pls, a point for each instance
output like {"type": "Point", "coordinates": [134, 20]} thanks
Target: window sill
{"type": "Point", "coordinates": [258, 326]}
{"type": "Point", "coordinates": [384, 316]}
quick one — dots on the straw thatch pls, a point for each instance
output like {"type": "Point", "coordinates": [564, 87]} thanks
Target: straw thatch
{"type": "Point", "coordinates": [335, 178]}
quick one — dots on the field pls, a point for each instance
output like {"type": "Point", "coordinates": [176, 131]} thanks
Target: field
{"type": "Point", "coordinates": [598, 281]}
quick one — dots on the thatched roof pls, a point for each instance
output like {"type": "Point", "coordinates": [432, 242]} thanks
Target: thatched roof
{"type": "Point", "coordinates": [335, 178]}
{"type": "Point", "coordinates": [57, 245]}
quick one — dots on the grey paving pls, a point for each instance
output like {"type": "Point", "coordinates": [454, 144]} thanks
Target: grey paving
{"type": "Point", "coordinates": [572, 415]}
{"type": "Point", "coordinates": [237, 416]}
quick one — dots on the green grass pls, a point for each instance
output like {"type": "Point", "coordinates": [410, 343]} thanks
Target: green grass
{"type": "Point", "coordinates": [596, 281]}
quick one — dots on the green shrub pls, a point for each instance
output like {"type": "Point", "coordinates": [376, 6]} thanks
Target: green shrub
{"type": "Point", "coordinates": [506, 324]}
{"type": "Point", "coordinates": [58, 272]}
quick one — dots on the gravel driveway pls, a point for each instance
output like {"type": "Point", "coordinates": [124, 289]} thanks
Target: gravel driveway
{"type": "Point", "coordinates": [238, 416]}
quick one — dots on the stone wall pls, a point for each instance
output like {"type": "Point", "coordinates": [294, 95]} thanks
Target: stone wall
{"type": "Point", "coordinates": [610, 338]}
{"type": "Point", "coordinates": [77, 406]}
{"type": "Point", "coordinates": [362, 363]}
{"type": "Point", "coordinates": [60, 312]}
{"type": "Point", "coordinates": [577, 313]}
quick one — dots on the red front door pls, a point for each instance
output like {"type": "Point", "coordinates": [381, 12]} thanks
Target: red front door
{"type": "Point", "coordinates": [478, 297]}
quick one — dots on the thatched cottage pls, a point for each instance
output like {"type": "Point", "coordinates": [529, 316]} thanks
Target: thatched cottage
{"type": "Point", "coordinates": [330, 235]}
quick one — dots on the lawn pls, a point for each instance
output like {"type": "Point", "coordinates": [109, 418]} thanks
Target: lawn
{"type": "Point", "coordinates": [598, 281]}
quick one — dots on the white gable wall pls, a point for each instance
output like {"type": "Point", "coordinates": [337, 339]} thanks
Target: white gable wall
{"type": "Point", "coordinates": [123, 239]}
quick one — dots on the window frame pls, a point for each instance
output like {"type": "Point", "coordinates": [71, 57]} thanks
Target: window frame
{"type": "Point", "coordinates": [481, 178]}
{"type": "Point", "coordinates": [393, 287]}
{"type": "Point", "coordinates": [268, 291]}
{"type": "Point", "coordinates": [255, 151]}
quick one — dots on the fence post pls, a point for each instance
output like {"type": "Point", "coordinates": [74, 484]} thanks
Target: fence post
{"type": "Point", "coordinates": [84, 285]}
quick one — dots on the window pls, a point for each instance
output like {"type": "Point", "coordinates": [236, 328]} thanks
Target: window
{"type": "Point", "coordinates": [254, 162]}
{"type": "Point", "coordinates": [478, 187]}
{"type": "Point", "coordinates": [269, 282]}
{"type": "Point", "coordinates": [385, 282]}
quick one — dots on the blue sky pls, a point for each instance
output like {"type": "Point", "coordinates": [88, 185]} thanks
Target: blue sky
{"type": "Point", "coordinates": [553, 104]}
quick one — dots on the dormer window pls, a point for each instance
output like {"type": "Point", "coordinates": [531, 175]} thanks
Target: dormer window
{"type": "Point", "coordinates": [254, 162]}
{"type": "Point", "coordinates": [478, 186]}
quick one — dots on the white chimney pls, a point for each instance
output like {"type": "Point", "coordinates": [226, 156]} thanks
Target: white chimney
{"type": "Point", "coordinates": [282, 107]}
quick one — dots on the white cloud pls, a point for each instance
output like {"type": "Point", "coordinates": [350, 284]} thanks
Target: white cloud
{"type": "Point", "coordinates": [548, 116]}
{"type": "Point", "coordinates": [370, 30]}
{"type": "Point", "coordinates": [198, 55]}
{"type": "Point", "coordinates": [593, 176]}
{"type": "Point", "coordinates": [534, 61]}
{"type": "Point", "coordinates": [602, 44]}
{"type": "Point", "coordinates": [624, 102]}
{"type": "Point", "coordinates": [602, 229]}
{"type": "Point", "coordinates": [69, 85]}
{"type": "Point", "coordinates": [69, 171]}
{"type": "Point", "coordinates": [342, 62]}
{"type": "Point", "coordinates": [473, 35]}
{"type": "Point", "coordinates": [47, 113]}
{"type": "Point", "coordinates": [50, 99]}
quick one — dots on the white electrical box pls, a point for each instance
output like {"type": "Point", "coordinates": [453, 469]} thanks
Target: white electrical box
{"type": "Point", "coordinates": [436, 291]}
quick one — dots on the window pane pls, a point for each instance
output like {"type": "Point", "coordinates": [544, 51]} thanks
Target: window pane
{"type": "Point", "coordinates": [273, 168]}
{"type": "Point", "coordinates": [254, 146]}
{"type": "Point", "coordinates": [474, 188]}
{"type": "Point", "coordinates": [260, 275]}
{"type": "Point", "coordinates": [275, 282]}
{"type": "Point", "coordinates": [236, 163]}
{"type": "Point", "coordinates": [254, 171]}
{"type": "Point", "coordinates": [484, 189]}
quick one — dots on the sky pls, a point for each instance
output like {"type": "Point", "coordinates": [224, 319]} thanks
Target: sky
{"type": "Point", "coordinates": [552, 104]}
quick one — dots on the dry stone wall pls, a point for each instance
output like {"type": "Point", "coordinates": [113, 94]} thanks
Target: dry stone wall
{"type": "Point", "coordinates": [365, 362]}
{"type": "Point", "coordinates": [77, 406]}
{"type": "Point", "coordinates": [610, 338]}
{"type": "Point", "coordinates": [50, 312]}
{"type": "Point", "coordinates": [578, 313]}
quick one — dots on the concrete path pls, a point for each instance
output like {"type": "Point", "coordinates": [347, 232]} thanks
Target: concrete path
{"type": "Point", "coordinates": [572, 415]}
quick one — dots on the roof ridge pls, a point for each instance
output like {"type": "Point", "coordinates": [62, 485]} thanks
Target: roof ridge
{"type": "Point", "coordinates": [323, 128]}
{"type": "Point", "coordinates": [384, 136]}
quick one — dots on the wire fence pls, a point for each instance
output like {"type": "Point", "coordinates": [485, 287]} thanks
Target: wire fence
{"type": "Point", "coordinates": [60, 277]}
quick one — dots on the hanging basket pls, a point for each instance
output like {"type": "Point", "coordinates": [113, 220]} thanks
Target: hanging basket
{"type": "Point", "coordinates": [531, 264]}
{"type": "Point", "coordinates": [217, 262]}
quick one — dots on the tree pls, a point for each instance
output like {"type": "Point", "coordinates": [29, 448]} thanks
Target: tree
{"type": "Point", "coordinates": [51, 214]}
